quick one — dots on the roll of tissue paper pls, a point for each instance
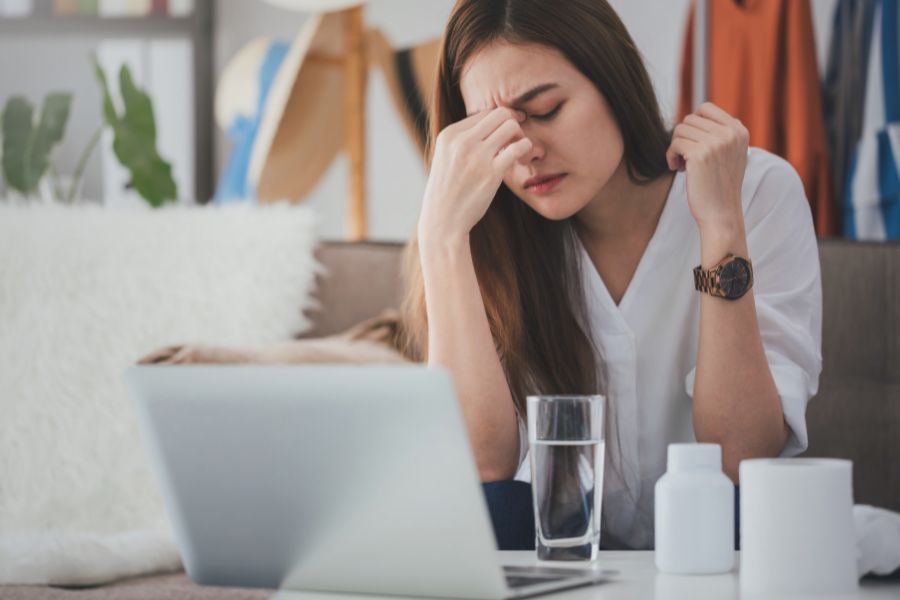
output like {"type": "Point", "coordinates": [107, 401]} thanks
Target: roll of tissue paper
{"type": "Point", "coordinates": [797, 532]}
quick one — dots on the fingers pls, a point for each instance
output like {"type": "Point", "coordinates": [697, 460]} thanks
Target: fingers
{"type": "Point", "coordinates": [508, 132]}
{"type": "Point", "coordinates": [185, 354]}
{"type": "Point", "coordinates": [722, 121]}
{"type": "Point", "coordinates": [496, 117]}
{"type": "Point", "coordinates": [702, 123]}
{"type": "Point", "coordinates": [172, 355]}
{"type": "Point", "coordinates": [713, 119]}
{"type": "Point", "coordinates": [673, 159]}
{"type": "Point", "coordinates": [709, 128]}
{"type": "Point", "coordinates": [159, 356]}
{"type": "Point", "coordinates": [470, 133]}
{"type": "Point", "coordinates": [467, 122]}
{"type": "Point", "coordinates": [511, 153]}
{"type": "Point", "coordinates": [484, 122]}
{"type": "Point", "coordinates": [679, 152]}
{"type": "Point", "coordinates": [496, 133]}
{"type": "Point", "coordinates": [690, 132]}
{"type": "Point", "coordinates": [716, 114]}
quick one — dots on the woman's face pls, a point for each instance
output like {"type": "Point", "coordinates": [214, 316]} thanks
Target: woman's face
{"type": "Point", "coordinates": [568, 120]}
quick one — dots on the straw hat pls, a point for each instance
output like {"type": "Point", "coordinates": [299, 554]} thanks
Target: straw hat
{"type": "Point", "coordinates": [302, 126]}
{"type": "Point", "coordinates": [237, 92]}
{"type": "Point", "coordinates": [410, 74]}
{"type": "Point", "coordinates": [315, 6]}
{"type": "Point", "coordinates": [240, 93]}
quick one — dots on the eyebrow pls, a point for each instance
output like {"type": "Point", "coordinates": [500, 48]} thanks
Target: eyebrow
{"type": "Point", "coordinates": [531, 94]}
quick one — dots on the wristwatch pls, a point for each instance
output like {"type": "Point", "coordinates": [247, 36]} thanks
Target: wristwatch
{"type": "Point", "coordinates": [729, 279]}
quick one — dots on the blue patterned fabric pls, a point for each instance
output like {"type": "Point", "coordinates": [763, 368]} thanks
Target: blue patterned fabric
{"type": "Point", "coordinates": [872, 192]}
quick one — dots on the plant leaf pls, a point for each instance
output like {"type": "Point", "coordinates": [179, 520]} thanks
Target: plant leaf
{"type": "Point", "coordinates": [17, 131]}
{"type": "Point", "coordinates": [154, 182]}
{"type": "Point", "coordinates": [138, 107]}
{"type": "Point", "coordinates": [49, 133]}
{"type": "Point", "coordinates": [109, 110]}
{"type": "Point", "coordinates": [151, 176]}
{"type": "Point", "coordinates": [134, 139]}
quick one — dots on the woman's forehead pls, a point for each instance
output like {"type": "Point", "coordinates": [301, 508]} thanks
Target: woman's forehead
{"type": "Point", "coordinates": [500, 73]}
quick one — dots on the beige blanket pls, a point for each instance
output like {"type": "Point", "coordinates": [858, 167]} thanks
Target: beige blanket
{"type": "Point", "coordinates": [373, 341]}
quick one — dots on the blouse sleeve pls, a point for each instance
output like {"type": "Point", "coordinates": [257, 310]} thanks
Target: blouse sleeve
{"type": "Point", "coordinates": [523, 439]}
{"type": "Point", "coordinates": [523, 472]}
{"type": "Point", "coordinates": [787, 290]}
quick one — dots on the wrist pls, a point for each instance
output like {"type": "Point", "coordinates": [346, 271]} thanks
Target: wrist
{"type": "Point", "coordinates": [722, 238]}
{"type": "Point", "coordinates": [434, 246]}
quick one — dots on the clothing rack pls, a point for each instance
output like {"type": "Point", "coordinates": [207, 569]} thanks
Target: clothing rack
{"type": "Point", "coordinates": [701, 33]}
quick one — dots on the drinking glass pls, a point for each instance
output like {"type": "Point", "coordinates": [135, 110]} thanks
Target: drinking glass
{"type": "Point", "coordinates": [567, 443]}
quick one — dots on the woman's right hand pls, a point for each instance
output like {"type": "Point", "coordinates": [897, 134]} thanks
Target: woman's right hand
{"type": "Point", "coordinates": [470, 158]}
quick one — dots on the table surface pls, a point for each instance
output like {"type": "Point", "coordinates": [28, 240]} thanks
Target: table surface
{"type": "Point", "coordinates": [638, 578]}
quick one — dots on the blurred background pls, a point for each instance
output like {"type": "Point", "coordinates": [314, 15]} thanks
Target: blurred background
{"type": "Point", "coordinates": [145, 146]}
{"type": "Point", "coordinates": [178, 52]}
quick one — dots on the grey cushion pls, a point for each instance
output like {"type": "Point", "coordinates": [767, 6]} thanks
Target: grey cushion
{"type": "Point", "coordinates": [359, 281]}
{"type": "Point", "coordinates": [860, 420]}
{"type": "Point", "coordinates": [861, 298]}
{"type": "Point", "coordinates": [856, 414]}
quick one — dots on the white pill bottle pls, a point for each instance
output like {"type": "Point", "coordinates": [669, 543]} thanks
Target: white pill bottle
{"type": "Point", "coordinates": [694, 512]}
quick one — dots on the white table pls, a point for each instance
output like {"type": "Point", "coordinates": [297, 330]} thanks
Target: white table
{"type": "Point", "coordinates": [638, 579]}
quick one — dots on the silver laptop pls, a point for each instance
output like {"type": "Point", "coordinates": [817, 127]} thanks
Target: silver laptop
{"type": "Point", "coordinates": [328, 478]}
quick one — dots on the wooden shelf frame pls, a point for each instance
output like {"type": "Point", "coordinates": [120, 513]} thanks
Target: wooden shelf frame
{"type": "Point", "coordinates": [197, 27]}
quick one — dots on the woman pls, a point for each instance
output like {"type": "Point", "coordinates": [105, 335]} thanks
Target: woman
{"type": "Point", "coordinates": [556, 252]}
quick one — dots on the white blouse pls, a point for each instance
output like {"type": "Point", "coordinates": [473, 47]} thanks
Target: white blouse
{"type": "Point", "coordinates": [648, 343]}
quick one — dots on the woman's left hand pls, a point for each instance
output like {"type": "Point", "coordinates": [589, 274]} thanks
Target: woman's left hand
{"type": "Point", "coordinates": [711, 146]}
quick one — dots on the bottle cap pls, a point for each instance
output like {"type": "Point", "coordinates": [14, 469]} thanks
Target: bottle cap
{"type": "Point", "coordinates": [691, 457]}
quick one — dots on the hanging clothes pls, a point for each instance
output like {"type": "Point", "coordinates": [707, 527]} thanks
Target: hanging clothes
{"type": "Point", "coordinates": [762, 69]}
{"type": "Point", "coordinates": [872, 190]}
{"type": "Point", "coordinates": [845, 77]}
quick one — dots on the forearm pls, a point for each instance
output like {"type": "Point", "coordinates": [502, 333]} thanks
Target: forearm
{"type": "Point", "coordinates": [459, 338]}
{"type": "Point", "coordinates": [736, 403]}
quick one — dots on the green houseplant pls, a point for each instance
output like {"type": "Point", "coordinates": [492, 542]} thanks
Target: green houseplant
{"type": "Point", "coordinates": [134, 139]}
{"type": "Point", "coordinates": [28, 145]}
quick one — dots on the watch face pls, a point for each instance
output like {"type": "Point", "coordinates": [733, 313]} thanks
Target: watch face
{"type": "Point", "coordinates": [734, 278]}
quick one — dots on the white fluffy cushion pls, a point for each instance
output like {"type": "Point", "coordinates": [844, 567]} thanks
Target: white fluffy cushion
{"type": "Point", "coordinates": [85, 292]}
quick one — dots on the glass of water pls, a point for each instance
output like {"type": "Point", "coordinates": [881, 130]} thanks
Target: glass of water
{"type": "Point", "coordinates": [567, 444]}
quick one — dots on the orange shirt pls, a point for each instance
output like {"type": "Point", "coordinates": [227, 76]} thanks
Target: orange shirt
{"type": "Point", "coordinates": [762, 70]}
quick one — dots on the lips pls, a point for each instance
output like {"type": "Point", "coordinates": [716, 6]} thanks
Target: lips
{"type": "Point", "coordinates": [542, 183]}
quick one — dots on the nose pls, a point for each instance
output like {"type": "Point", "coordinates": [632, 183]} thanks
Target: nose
{"type": "Point", "coordinates": [536, 153]}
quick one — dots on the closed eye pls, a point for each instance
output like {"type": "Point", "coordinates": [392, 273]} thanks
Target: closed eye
{"type": "Point", "coordinates": [548, 115]}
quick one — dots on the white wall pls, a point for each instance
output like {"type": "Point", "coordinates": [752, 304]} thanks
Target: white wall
{"type": "Point", "coordinates": [395, 175]}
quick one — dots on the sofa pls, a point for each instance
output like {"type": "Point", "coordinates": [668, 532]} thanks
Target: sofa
{"type": "Point", "coordinates": [856, 414]}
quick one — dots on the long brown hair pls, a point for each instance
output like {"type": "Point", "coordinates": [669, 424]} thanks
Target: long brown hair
{"type": "Point", "coordinates": [527, 266]}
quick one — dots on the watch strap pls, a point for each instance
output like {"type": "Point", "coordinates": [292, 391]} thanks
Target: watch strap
{"type": "Point", "coordinates": [707, 281]}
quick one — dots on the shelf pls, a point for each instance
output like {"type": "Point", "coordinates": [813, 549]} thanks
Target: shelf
{"type": "Point", "coordinates": [94, 25]}
{"type": "Point", "coordinates": [196, 27]}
